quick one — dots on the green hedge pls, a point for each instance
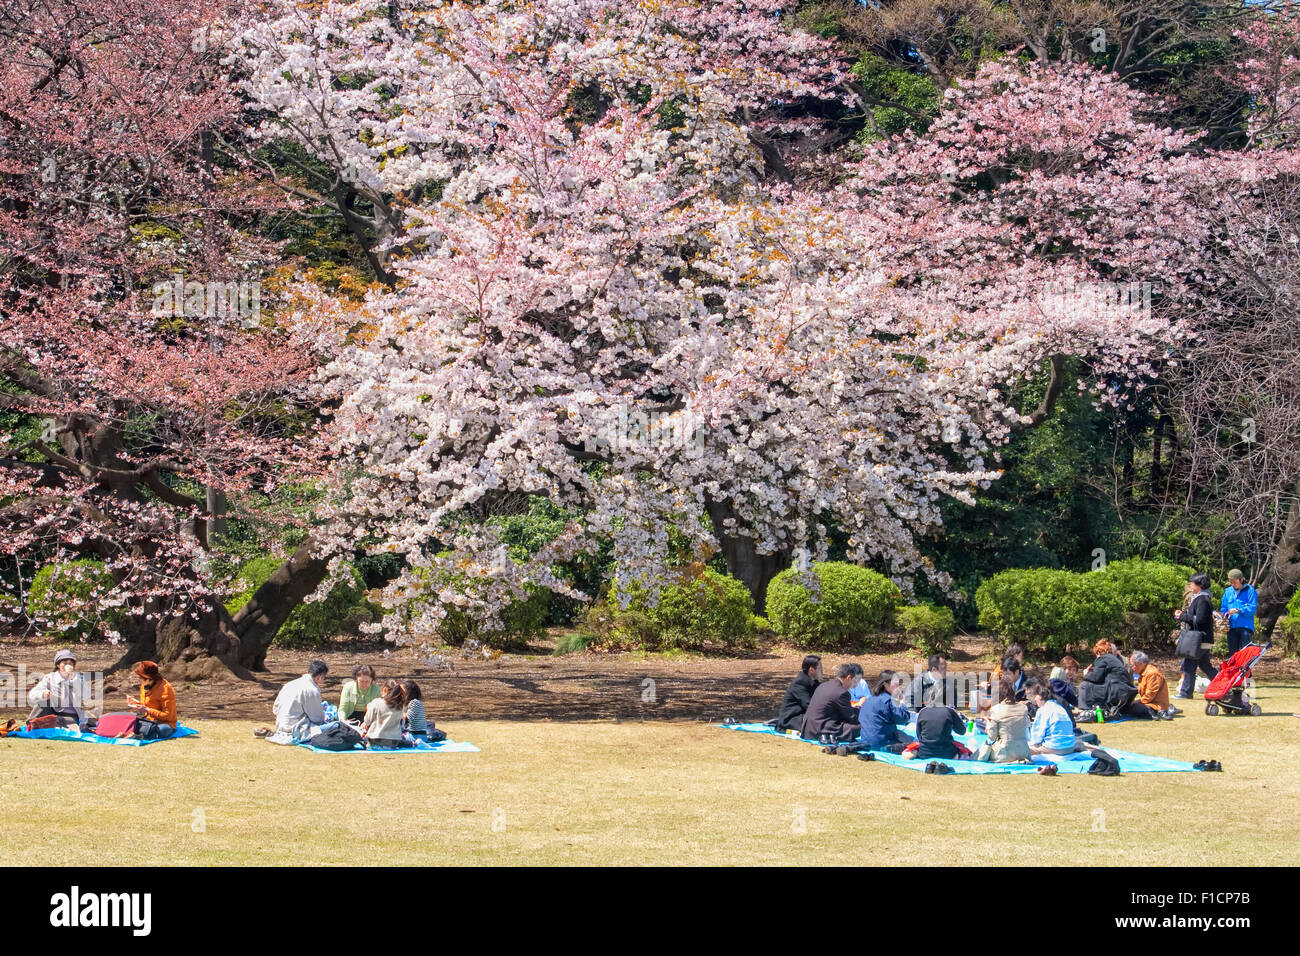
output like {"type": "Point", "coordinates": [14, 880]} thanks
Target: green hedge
{"type": "Point", "coordinates": [709, 606]}
{"type": "Point", "coordinates": [928, 628]}
{"type": "Point", "coordinates": [852, 605]}
{"type": "Point", "coordinates": [1147, 593]}
{"type": "Point", "coordinates": [56, 587]}
{"type": "Point", "coordinates": [1049, 609]}
{"type": "Point", "coordinates": [521, 622]}
{"type": "Point", "coordinates": [343, 610]}
{"type": "Point", "coordinates": [1130, 599]}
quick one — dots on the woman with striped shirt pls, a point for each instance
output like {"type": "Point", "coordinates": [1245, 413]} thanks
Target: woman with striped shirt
{"type": "Point", "coordinates": [414, 722]}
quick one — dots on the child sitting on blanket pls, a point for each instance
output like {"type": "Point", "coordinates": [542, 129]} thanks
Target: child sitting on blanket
{"type": "Point", "coordinates": [414, 723]}
{"type": "Point", "coordinates": [936, 724]}
{"type": "Point", "coordinates": [382, 724]}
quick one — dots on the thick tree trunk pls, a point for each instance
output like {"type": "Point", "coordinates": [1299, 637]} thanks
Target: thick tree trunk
{"type": "Point", "coordinates": [191, 649]}
{"type": "Point", "coordinates": [257, 622]}
{"type": "Point", "coordinates": [217, 644]}
{"type": "Point", "coordinates": [744, 562]}
{"type": "Point", "coordinates": [1282, 574]}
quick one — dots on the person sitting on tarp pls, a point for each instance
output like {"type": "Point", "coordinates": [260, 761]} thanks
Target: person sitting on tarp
{"type": "Point", "coordinates": [382, 722]}
{"type": "Point", "coordinates": [831, 712]}
{"type": "Point", "coordinates": [156, 706]}
{"type": "Point", "coordinates": [358, 693]}
{"type": "Point", "coordinates": [299, 709]}
{"type": "Point", "coordinates": [1014, 671]}
{"type": "Point", "coordinates": [936, 723]}
{"type": "Point", "coordinates": [882, 714]}
{"type": "Point", "coordinates": [1064, 693]}
{"type": "Point", "coordinates": [1052, 731]}
{"type": "Point", "coordinates": [1007, 726]}
{"type": "Point", "coordinates": [799, 694]}
{"type": "Point", "coordinates": [1152, 701]}
{"type": "Point", "coordinates": [935, 675]}
{"type": "Point", "coordinates": [64, 694]}
{"type": "Point", "coordinates": [1108, 684]}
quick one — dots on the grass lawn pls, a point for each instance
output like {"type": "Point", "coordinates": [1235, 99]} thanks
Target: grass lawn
{"type": "Point", "coordinates": [646, 792]}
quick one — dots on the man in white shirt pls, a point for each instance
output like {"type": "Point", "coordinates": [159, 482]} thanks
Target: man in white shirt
{"type": "Point", "coordinates": [299, 709]}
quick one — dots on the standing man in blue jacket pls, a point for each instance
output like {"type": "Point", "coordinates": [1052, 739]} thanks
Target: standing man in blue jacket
{"type": "Point", "coordinates": [1238, 606]}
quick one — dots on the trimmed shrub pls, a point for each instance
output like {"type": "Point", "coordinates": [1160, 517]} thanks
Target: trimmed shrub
{"type": "Point", "coordinates": [343, 610]}
{"type": "Point", "coordinates": [704, 606]}
{"type": "Point", "coordinates": [1049, 609]}
{"type": "Point", "coordinates": [851, 604]}
{"type": "Point", "coordinates": [66, 596]}
{"type": "Point", "coordinates": [521, 622]}
{"type": "Point", "coordinates": [1148, 592]}
{"type": "Point", "coordinates": [928, 628]}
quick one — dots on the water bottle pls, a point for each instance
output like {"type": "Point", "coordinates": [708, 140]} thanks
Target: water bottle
{"type": "Point", "coordinates": [1101, 716]}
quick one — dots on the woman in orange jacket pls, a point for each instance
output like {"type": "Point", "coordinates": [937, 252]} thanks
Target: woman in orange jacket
{"type": "Point", "coordinates": [156, 706]}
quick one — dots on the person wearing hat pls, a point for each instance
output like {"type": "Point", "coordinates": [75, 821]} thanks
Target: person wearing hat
{"type": "Point", "coordinates": [64, 693]}
{"type": "Point", "coordinates": [1238, 606]}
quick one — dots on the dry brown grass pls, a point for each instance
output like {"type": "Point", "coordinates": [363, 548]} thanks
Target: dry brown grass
{"type": "Point", "coordinates": [653, 792]}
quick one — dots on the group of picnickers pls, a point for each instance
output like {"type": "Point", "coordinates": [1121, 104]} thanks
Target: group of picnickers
{"type": "Point", "coordinates": [379, 716]}
{"type": "Point", "coordinates": [1022, 716]}
{"type": "Point", "coordinates": [67, 699]}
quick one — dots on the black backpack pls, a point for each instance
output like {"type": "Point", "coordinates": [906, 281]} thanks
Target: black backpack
{"type": "Point", "coordinates": [1105, 765]}
{"type": "Point", "coordinates": [341, 736]}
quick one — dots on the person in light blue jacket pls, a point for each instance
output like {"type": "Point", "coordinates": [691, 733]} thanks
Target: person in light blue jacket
{"type": "Point", "coordinates": [1238, 606]}
{"type": "Point", "coordinates": [1052, 732]}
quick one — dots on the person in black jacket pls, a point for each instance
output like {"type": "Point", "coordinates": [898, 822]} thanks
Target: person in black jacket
{"type": "Point", "coordinates": [799, 694]}
{"type": "Point", "coordinates": [935, 725]}
{"type": "Point", "coordinates": [831, 710]}
{"type": "Point", "coordinates": [1108, 683]}
{"type": "Point", "coordinates": [1199, 616]}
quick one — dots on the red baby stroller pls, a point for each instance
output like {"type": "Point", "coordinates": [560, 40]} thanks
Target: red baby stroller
{"type": "Point", "coordinates": [1228, 689]}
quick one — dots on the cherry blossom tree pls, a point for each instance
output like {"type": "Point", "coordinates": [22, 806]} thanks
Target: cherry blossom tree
{"type": "Point", "coordinates": [620, 309]}
{"type": "Point", "coordinates": [135, 344]}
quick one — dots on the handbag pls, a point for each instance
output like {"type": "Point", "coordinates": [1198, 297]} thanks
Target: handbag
{"type": "Point", "coordinates": [51, 722]}
{"type": "Point", "coordinates": [117, 725]}
{"type": "Point", "coordinates": [1189, 643]}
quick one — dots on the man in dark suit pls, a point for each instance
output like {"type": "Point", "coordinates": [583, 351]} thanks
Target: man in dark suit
{"type": "Point", "coordinates": [831, 710]}
{"type": "Point", "coordinates": [936, 674]}
{"type": "Point", "coordinates": [799, 694]}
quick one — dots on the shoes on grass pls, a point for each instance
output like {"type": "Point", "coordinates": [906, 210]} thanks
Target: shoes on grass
{"type": "Point", "coordinates": [1048, 770]}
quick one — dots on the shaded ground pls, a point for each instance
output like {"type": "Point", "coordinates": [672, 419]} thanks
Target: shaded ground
{"type": "Point", "coordinates": [536, 685]}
